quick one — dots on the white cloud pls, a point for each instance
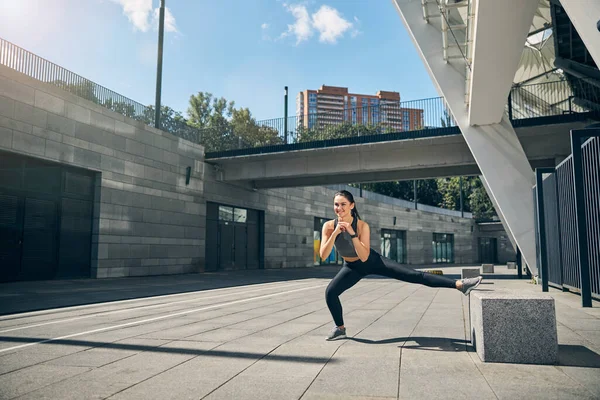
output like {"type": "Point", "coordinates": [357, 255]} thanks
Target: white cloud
{"type": "Point", "coordinates": [143, 17]}
{"type": "Point", "coordinates": [330, 24]}
{"type": "Point", "coordinates": [264, 26]}
{"type": "Point", "coordinates": [170, 24]}
{"type": "Point", "coordinates": [137, 11]}
{"type": "Point", "coordinates": [327, 21]}
{"type": "Point", "coordinates": [302, 28]}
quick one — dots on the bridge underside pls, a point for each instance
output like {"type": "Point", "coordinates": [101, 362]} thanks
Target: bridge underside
{"type": "Point", "coordinates": [385, 161]}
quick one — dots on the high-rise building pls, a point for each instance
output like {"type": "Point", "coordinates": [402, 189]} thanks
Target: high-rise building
{"type": "Point", "coordinates": [332, 105]}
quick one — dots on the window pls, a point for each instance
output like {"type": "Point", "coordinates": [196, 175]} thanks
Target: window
{"type": "Point", "coordinates": [375, 111]}
{"type": "Point", "coordinates": [225, 213]}
{"type": "Point", "coordinates": [443, 248]}
{"type": "Point", "coordinates": [406, 120]}
{"type": "Point", "coordinates": [393, 245]}
{"type": "Point", "coordinates": [333, 257]}
{"type": "Point", "coordinates": [233, 214]}
{"type": "Point", "coordinates": [354, 112]}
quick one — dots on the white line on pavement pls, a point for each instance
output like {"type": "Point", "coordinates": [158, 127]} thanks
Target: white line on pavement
{"type": "Point", "coordinates": [157, 318]}
{"type": "Point", "coordinates": [74, 308]}
{"type": "Point", "coordinates": [103, 313]}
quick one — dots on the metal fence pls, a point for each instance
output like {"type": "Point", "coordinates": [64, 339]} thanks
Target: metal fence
{"type": "Point", "coordinates": [36, 67]}
{"type": "Point", "coordinates": [567, 219]}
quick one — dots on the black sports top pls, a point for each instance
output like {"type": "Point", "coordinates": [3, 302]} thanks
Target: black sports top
{"type": "Point", "coordinates": [343, 242]}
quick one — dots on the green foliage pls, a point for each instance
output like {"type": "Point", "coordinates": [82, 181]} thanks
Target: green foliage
{"type": "Point", "coordinates": [441, 192]}
{"type": "Point", "coordinates": [446, 119]}
{"type": "Point", "coordinates": [479, 202]}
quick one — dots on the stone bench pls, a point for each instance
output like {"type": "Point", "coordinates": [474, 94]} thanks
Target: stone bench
{"type": "Point", "coordinates": [511, 265]}
{"type": "Point", "coordinates": [470, 273]}
{"type": "Point", "coordinates": [487, 268]}
{"type": "Point", "coordinates": [513, 327]}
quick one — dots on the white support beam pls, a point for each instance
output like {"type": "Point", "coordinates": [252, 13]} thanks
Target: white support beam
{"type": "Point", "coordinates": [495, 148]}
{"type": "Point", "coordinates": [500, 32]}
{"type": "Point", "coordinates": [584, 14]}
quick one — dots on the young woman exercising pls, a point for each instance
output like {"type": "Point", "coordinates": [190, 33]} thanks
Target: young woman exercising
{"type": "Point", "coordinates": [352, 237]}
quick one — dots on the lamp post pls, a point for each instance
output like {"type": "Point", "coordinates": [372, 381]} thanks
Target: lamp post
{"type": "Point", "coordinates": [285, 118]}
{"type": "Point", "coordinates": [161, 31]}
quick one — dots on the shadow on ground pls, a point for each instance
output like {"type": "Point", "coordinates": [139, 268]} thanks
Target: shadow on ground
{"type": "Point", "coordinates": [169, 349]}
{"type": "Point", "coordinates": [568, 355]}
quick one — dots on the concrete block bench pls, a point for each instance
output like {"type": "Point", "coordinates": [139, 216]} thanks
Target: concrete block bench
{"type": "Point", "coordinates": [487, 268]}
{"type": "Point", "coordinates": [511, 265]}
{"type": "Point", "coordinates": [470, 273]}
{"type": "Point", "coordinates": [513, 327]}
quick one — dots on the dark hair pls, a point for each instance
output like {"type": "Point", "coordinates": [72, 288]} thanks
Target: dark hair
{"type": "Point", "coordinates": [350, 198]}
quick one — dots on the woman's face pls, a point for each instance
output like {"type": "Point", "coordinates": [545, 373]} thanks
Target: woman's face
{"type": "Point", "coordinates": [342, 206]}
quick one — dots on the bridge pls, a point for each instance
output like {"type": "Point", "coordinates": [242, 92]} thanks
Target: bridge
{"type": "Point", "coordinates": [389, 157]}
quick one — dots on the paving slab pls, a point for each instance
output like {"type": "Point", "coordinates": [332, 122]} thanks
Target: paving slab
{"type": "Point", "coordinates": [405, 341]}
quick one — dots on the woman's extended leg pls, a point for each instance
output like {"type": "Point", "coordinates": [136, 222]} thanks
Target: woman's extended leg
{"type": "Point", "coordinates": [344, 280]}
{"type": "Point", "coordinates": [392, 269]}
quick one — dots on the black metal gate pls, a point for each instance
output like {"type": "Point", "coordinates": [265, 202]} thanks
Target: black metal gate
{"type": "Point", "coordinates": [46, 214]}
{"type": "Point", "coordinates": [568, 219]}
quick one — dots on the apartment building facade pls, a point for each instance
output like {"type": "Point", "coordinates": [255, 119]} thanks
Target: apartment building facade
{"type": "Point", "coordinates": [333, 105]}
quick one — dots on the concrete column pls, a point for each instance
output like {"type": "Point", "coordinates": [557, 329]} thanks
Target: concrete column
{"type": "Point", "coordinates": [500, 31]}
{"type": "Point", "coordinates": [493, 142]}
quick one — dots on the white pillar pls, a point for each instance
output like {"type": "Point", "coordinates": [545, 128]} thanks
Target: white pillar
{"type": "Point", "coordinates": [500, 31]}
{"type": "Point", "coordinates": [494, 146]}
{"type": "Point", "coordinates": [584, 14]}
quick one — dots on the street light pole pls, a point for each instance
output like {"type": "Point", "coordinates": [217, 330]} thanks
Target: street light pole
{"type": "Point", "coordinates": [161, 31]}
{"type": "Point", "coordinates": [285, 118]}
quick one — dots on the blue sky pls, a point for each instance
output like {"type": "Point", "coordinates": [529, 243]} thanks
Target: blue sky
{"type": "Point", "coordinates": [245, 51]}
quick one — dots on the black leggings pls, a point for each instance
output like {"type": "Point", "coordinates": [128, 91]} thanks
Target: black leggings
{"type": "Point", "coordinates": [352, 272]}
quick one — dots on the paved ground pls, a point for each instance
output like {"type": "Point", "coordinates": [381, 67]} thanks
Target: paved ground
{"type": "Point", "coordinates": [260, 335]}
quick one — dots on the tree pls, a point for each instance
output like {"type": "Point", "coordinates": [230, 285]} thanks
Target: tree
{"type": "Point", "coordinates": [446, 119]}
{"type": "Point", "coordinates": [450, 192]}
{"type": "Point", "coordinates": [252, 134]}
{"type": "Point", "coordinates": [480, 204]}
{"type": "Point", "coordinates": [84, 89]}
{"type": "Point", "coordinates": [123, 108]}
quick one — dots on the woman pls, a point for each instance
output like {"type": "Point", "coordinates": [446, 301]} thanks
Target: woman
{"type": "Point", "coordinates": [352, 237]}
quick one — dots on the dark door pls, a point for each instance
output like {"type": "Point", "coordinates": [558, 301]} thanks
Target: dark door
{"type": "Point", "coordinates": [226, 246]}
{"type": "Point", "coordinates": [11, 217]}
{"type": "Point", "coordinates": [488, 250]}
{"type": "Point", "coordinates": [212, 244]}
{"type": "Point", "coordinates": [253, 240]}
{"type": "Point", "coordinates": [233, 238]}
{"type": "Point", "coordinates": [240, 246]}
{"type": "Point", "coordinates": [39, 255]}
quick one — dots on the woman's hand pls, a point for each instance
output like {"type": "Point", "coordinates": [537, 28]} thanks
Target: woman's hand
{"type": "Point", "coordinates": [346, 226]}
{"type": "Point", "coordinates": [338, 230]}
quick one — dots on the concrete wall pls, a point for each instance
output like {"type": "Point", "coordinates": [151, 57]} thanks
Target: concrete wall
{"type": "Point", "coordinates": [290, 213]}
{"type": "Point", "coordinates": [147, 221]}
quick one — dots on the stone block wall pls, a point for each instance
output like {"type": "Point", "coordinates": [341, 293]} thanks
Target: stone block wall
{"type": "Point", "coordinates": [147, 221]}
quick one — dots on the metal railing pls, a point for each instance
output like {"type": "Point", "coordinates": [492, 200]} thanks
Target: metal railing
{"type": "Point", "coordinates": [567, 219]}
{"type": "Point", "coordinates": [551, 98]}
{"type": "Point", "coordinates": [407, 119]}
{"type": "Point", "coordinates": [36, 67]}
